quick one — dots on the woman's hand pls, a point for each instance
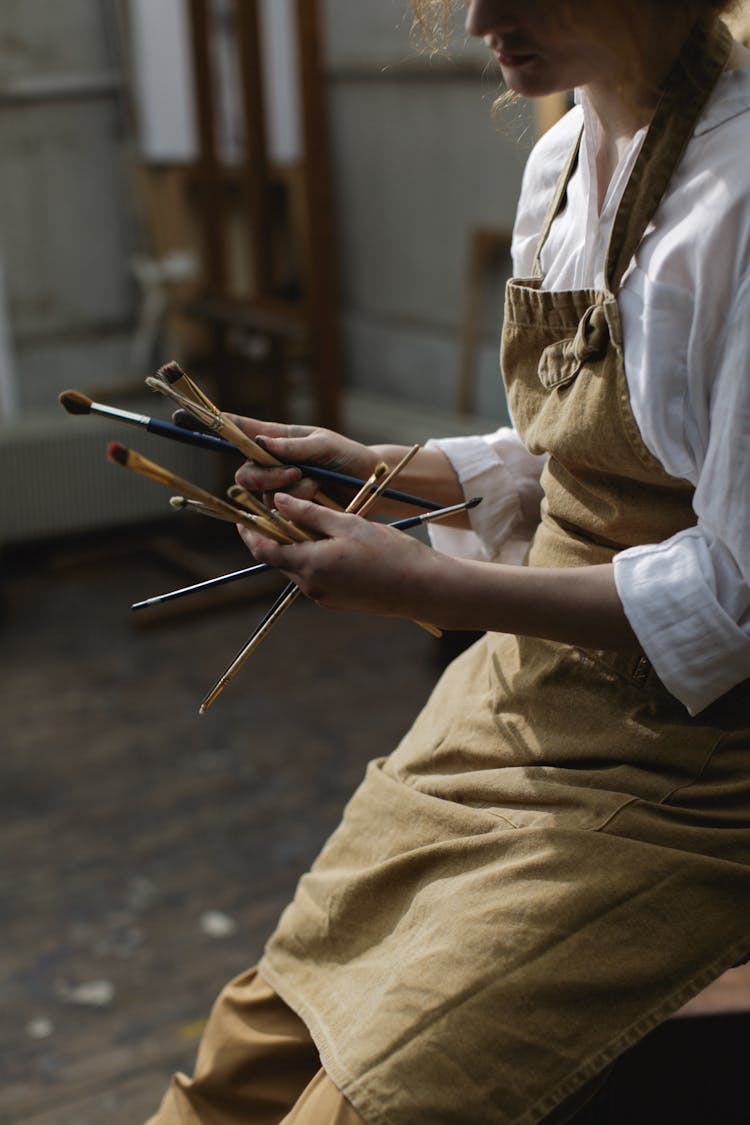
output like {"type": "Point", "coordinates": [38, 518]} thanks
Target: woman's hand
{"type": "Point", "coordinates": [300, 444]}
{"type": "Point", "coordinates": [353, 564]}
{"type": "Point", "coordinates": [357, 565]}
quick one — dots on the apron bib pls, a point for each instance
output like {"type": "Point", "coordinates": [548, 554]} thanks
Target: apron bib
{"type": "Point", "coordinates": [557, 856]}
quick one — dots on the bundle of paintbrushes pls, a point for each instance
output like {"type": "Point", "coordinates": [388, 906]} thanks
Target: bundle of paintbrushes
{"type": "Point", "coordinates": [245, 508]}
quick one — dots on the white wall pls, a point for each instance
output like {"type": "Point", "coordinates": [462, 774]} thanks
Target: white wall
{"type": "Point", "coordinates": [418, 163]}
{"type": "Point", "coordinates": [66, 217]}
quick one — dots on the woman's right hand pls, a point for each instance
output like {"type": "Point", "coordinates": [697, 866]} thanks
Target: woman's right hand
{"type": "Point", "coordinates": [294, 445]}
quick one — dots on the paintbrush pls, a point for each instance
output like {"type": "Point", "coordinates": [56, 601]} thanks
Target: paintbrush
{"type": "Point", "coordinates": [197, 587]}
{"type": "Point", "coordinates": [76, 402]}
{"type": "Point", "coordinates": [364, 499]}
{"type": "Point", "coordinates": [183, 504]}
{"type": "Point", "coordinates": [285, 531]}
{"type": "Point", "coordinates": [173, 381]}
{"type": "Point", "coordinates": [434, 517]}
{"type": "Point", "coordinates": [375, 492]}
{"type": "Point", "coordinates": [136, 462]}
{"type": "Point", "coordinates": [369, 497]}
{"type": "Point", "coordinates": [253, 505]}
{"type": "Point", "coordinates": [208, 583]}
{"type": "Point", "coordinates": [285, 601]}
{"type": "Point", "coordinates": [247, 500]}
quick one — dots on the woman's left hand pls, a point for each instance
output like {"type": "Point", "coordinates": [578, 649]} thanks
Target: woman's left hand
{"type": "Point", "coordinates": [358, 565]}
{"type": "Point", "coordinates": [353, 564]}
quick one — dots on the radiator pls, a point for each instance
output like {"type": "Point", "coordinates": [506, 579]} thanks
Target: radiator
{"type": "Point", "coordinates": [55, 478]}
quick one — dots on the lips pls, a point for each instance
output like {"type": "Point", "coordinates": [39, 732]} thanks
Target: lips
{"type": "Point", "coordinates": [513, 58]}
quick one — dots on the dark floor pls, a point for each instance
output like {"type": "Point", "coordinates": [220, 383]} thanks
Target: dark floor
{"type": "Point", "coordinates": [125, 819]}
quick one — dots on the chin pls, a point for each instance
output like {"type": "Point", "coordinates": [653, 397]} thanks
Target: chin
{"type": "Point", "coordinates": [535, 89]}
{"type": "Point", "coordinates": [533, 81]}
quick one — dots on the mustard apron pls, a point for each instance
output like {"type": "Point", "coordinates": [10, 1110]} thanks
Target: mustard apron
{"type": "Point", "coordinates": [557, 856]}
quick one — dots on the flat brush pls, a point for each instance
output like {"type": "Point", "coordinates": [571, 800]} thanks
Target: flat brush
{"type": "Point", "coordinates": [172, 380]}
{"type": "Point", "coordinates": [181, 381]}
{"type": "Point", "coordinates": [259, 568]}
{"type": "Point", "coordinates": [76, 402]}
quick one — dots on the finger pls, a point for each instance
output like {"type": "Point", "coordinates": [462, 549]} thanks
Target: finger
{"type": "Point", "coordinates": [313, 448]}
{"type": "Point", "coordinates": [257, 427]}
{"type": "Point", "coordinates": [304, 489]}
{"type": "Point", "coordinates": [265, 550]}
{"type": "Point", "coordinates": [312, 517]}
{"type": "Point", "coordinates": [257, 478]}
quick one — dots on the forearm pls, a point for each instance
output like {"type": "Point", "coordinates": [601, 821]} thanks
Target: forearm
{"type": "Point", "coordinates": [352, 563]}
{"type": "Point", "coordinates": [578, 605]}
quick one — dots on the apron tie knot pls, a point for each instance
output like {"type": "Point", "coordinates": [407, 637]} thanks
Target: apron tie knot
{"type": "Point", "coordinates": [592, 336]}
{"type": "Point", "coordinates": [560, 362]}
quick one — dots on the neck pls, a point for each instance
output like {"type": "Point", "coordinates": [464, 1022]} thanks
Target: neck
{"type": "Point", "coordinates": [625, 93]}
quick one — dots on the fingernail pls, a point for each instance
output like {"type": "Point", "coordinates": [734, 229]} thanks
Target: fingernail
{"type": "Point", "coordinates": [261, 442]}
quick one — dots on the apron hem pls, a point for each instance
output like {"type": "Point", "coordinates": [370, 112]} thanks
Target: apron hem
{"type": "Point", "coordinates": [372, 1114]}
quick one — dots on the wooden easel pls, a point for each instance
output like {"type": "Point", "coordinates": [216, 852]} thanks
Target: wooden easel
{"type": "Point", "coordinates": [266, 234]}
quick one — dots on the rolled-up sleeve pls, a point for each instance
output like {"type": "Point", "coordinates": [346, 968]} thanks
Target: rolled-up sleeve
{"type": "Point", "coordinates": [688, 598]}
{"type": "Point", "coordinates": [500, 469]}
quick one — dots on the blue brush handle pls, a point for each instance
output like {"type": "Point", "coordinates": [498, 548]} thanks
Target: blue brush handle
{"type": "Point", "coordinates": [210, 441]}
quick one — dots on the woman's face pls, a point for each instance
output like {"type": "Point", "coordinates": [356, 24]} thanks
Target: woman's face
{"type": "Point", "coordinates": [545, 46]}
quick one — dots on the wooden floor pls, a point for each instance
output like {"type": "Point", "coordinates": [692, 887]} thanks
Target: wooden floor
{"type": "Point", "coordinates": [125, 818]}
{"type": "Point", "coordinates": [146, 852]}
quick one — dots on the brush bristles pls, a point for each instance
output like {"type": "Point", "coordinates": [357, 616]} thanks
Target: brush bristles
{"type": "Point", "coordinates": [174, 375]}
{"type": "Point", "coordinates": [171, 372]}
{"type": "Point", "coordinates": [117, 453]}
{"type": "Point", "coordinates": [75, 402]}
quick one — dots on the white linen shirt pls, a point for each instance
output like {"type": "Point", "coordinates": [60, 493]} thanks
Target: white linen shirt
{"type": "Point", "coordinates": [685, 308]}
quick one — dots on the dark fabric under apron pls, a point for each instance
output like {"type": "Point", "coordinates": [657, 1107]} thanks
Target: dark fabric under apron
{"type": "Point", "coordinates": [557, 856]}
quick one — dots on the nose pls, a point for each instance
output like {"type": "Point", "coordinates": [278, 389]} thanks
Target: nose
{"type": "Point", "coordinates": [486, 16]}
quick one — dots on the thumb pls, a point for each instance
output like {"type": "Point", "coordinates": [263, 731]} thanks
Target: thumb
{"type": "Point", "coordinates": [314, 448]}
{"type": "Point", "coordinates": [254, 427]}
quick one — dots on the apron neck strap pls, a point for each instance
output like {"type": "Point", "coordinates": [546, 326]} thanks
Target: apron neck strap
{"type": "Point", "coordinates": [557, 203]}
{"type": "Point", "coordinates": [685, 92]}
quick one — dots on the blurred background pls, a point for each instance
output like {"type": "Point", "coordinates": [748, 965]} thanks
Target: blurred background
{"type": "Point", "coordinates": [289, 198]}
{"type": "Point", "coordinates": [312, 214]}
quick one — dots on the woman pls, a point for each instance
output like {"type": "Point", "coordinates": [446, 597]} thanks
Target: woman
{"type": "Point", "coordinates": [557, 856]}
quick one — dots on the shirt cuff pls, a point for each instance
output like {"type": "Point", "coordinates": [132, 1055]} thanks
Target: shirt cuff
{"type": "Point", "coordinates": [697, 650]}
{"type": "Point", "coordinates": [496, 531]}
